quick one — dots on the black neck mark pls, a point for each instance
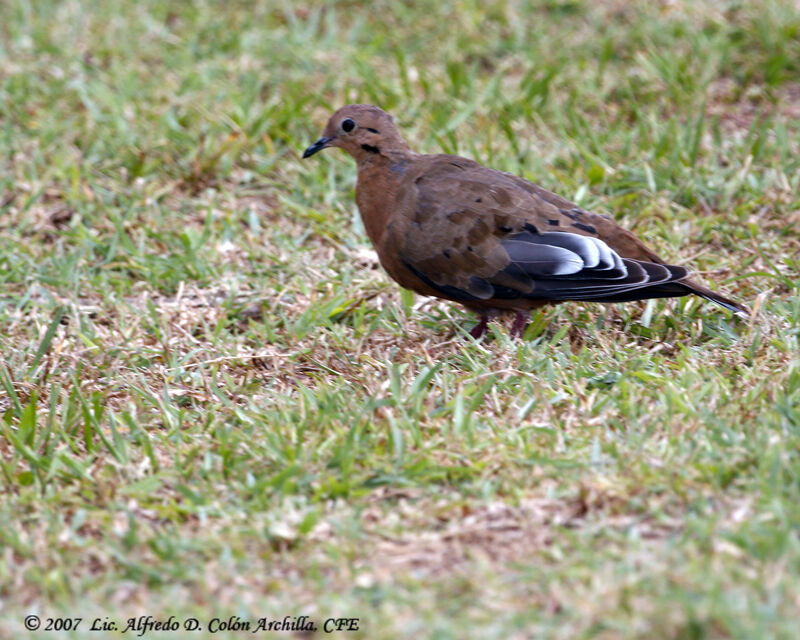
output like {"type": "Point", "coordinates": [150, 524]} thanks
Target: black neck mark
{"type": "Point", "coordinates": [370, 148]}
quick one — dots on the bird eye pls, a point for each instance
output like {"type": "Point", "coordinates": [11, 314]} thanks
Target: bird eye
{"type": "Point", "coordinates": [348, 125]}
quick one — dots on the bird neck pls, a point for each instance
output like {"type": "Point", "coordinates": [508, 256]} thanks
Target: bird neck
{"type": "Point", "coordinates": [379, 180]}
{"type": "Point", "coordinates": [368, 156]}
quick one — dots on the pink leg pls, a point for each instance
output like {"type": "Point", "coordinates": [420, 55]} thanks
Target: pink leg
{"type": "Point", "coordinates": [479, 329]}
{"type": "Point", "coordinates": [520, 322]}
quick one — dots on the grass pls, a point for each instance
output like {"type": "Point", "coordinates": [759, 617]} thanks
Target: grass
{"type": "Point", "coordinates": [214, 403]}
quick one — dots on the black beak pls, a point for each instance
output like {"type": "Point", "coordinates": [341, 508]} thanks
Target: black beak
{"type": "Point", "coordinates": [319, 145]}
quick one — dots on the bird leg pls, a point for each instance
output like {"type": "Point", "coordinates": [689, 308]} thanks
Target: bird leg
{"type": "Point", "coordinates": [520, 322]}
{"type": "Point", "coordinates": [479, 329]}
{"type": "Point", "coordinates": [487, 315]}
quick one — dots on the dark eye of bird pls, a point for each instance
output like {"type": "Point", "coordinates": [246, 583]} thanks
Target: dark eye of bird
{"type": "Point", "coordinates": [348, 125]}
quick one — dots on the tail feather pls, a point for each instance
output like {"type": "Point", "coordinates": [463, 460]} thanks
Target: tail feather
{"type": "Point", "coordinates": [713, 296]}
{"type": "Point", "coordinates": [677, 289]}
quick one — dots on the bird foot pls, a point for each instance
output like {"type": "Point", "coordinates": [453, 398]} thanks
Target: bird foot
{"type": "Point", "coordinates": [520, 322]}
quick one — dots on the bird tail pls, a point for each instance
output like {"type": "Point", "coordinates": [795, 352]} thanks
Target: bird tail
{"type": "Point", "coordinates": [676, 289]}
{"type": "Point", "coordinates": [713, 296]}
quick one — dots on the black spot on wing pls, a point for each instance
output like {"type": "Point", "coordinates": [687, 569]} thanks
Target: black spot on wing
{"type": "Point", "coordinates": [584, 227]}
{"type": "Point", "coordinates": [553, 223]}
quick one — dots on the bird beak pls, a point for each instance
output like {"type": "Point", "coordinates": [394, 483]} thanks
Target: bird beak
{"type": "Point", "coordinates": [319, 145]}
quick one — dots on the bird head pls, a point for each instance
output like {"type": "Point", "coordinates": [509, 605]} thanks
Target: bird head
{"type": "Point", "coordinates": [363, 130]}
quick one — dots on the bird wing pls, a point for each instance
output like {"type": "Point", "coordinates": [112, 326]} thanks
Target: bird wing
{"type": "Point", "coordinates": [476, 234]}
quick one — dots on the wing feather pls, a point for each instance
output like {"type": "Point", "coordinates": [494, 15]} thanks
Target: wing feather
{"type": "Point", "coordinates": [474, 236]}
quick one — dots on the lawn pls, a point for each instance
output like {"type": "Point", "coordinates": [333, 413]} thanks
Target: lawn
{"type": "Point", "coordinates": [214, 403]}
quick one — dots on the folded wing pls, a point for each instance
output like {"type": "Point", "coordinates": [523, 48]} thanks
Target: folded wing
{"type": "Point", "coordinates": [478, 239]}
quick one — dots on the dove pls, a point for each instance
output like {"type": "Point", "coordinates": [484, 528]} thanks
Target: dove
{"type": "Point", "coordinates": [446, 226]}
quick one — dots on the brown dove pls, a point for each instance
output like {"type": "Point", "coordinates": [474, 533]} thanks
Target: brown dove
{"type": "Point", "coordinates": [449, 227]}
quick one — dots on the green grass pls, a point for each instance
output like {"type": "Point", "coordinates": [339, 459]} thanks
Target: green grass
{"type": "Point", "coordinates": [214, 403]}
